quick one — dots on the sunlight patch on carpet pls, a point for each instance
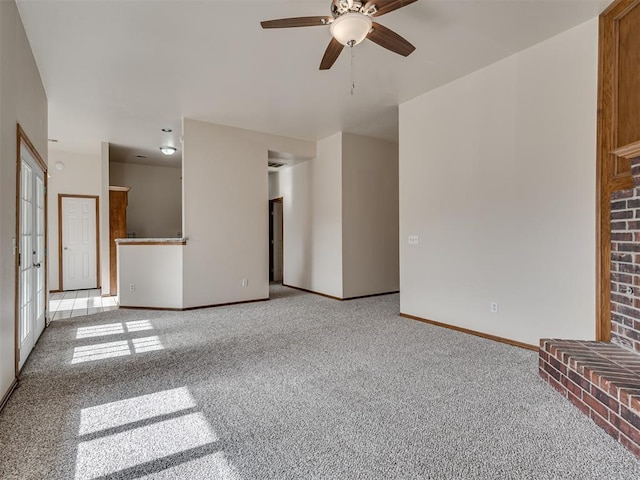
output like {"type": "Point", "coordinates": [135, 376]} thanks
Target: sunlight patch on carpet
{"type": "Point", "coordinates": [100, 351]}
{"type": "Point", "coordinates": [113, 329]}
{"type": "Point", "coordinates": [111, 454]}
{"type": "Point", "coordinates": [99, 331]}
{"type": "Point", "coordinates": [139, 325]}
{"type": "Point", "coordinates": [216, 466]}
{"type": "Point", "coordinates": [131, 410]}
{"type": "Point", "coordinates": [147, 344]}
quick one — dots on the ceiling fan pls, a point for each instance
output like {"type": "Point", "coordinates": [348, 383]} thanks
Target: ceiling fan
{"type": "Point", "coordinates": [350, 23]}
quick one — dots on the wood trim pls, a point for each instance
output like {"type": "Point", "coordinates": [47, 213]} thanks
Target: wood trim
{"type": "Point", "coordinates": [602, 209]}
{"type": "Point", "coordinates": [126, 244]}
{"type": "Point", "coordinates": [371, 295]}
{"type": "Point", "coordinates": [16, 256]}
{"type": "Point", "coordinates": [155, 309]}
{"type": "Point", "coordinates": [47, 320]}
{"type": "Point", "coordinates": [311, 291]}
{"type": "Point", "coordinates": [226, 304]}
{"type": "Point", "coordinates": [608, 157]}
{"type": "Point", "coordinates": [60, 286]}
{"type": "Point", "coordinates": [338, 298]}
{"type": "Point", "coordinates": [98, 266]}
{"type": "Point", "coordinates": [628, 151]}
{"type": "Point", "coordinates": [158, 309]}
{"type": "Point", "coordinates": [73, 195]}
{"type": "Point", "coordinates": [7, 394]}
{"type": "Point", "coordinates": [22, 137]}
{"type": "Point", "coordinates": [620, 183]}
{"type": "Point", "coordinates": [487, 336]}
{"type": "Point", "coordinates": [114, 188]}
{"type": "Point", "coordinates": [118, 201]}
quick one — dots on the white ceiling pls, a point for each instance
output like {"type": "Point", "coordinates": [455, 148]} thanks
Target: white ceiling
{"type": "Point", "coordinates": [119, 71]}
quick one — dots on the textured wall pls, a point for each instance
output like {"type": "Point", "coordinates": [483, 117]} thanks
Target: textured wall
{"type": "Point", "coordinates": [155, 199]}
{"type": "Point", "coordinates": [497, 179]}
{"type": "Point", "coordinates": [24, 101]}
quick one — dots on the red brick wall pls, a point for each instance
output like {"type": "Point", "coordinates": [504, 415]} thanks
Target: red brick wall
{"type": "Point", "coordinates": [625, 264]}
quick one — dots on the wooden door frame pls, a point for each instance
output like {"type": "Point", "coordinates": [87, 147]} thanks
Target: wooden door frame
{"type": "Point", "coordinates": [60, 262]}
{"type": "Point", "coordinates": [613, 167]}
{"type": "Point", "coordinates": [279, 200]}
{"type": "Point", "coordinates": [113, 247]}
{"type": "Point", "coordinates": [23, 139]}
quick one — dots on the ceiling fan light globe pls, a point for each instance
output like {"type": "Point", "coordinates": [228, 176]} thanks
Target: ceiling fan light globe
{"type": "Point", "coordinates": [351, 27]}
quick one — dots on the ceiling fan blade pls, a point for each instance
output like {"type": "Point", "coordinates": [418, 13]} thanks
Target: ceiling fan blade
{"type": "Point", "coordinates": [390, 40]}
{"type": "Point", "coordinates": [386, 6]}
{"type": "Point", "coordinates": [297, 22]}
{"type": "Point", "coordinates": [331, 54]}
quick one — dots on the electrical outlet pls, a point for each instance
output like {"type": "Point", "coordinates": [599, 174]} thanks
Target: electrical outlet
{"type": "Point", "coordinates": [245, 282]}
{"type": "Point", "coordinates": [414, 239]}
{"type": "Point", "coordinates": [494, 307]}
{"type": "Point", "coordinates": [132, 287]}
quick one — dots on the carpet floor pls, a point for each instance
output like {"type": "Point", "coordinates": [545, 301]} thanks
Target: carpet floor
{"type": "Point", "coordinates": [300, 387]}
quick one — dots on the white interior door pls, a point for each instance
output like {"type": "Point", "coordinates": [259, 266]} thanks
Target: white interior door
{"type": "Point", "coordinates": [32, 292]}
{"type": "Point", "coordinates": [79, 251]}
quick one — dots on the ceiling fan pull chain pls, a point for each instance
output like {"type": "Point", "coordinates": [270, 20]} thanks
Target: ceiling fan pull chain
{"type": "Point", "coordinates": [353, 73]}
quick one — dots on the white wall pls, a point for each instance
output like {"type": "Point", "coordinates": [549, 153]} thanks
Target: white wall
{"type": "Point", "coordinates": [81, 175]}
{"type": "Point", "coordinates": [155, 198]}
{"type": "Point", "coordinates": [341, 217]}
{"type": "Point", "coordinates": [370, 216]}
{"type": "Point", "coordinates": [274, 185]}
{"type": "Point", "coordinates": [497, 177]}
{"type": "Point", "coordinates": [312, 194]}
{"type": "Point", "coordinates": [225, 211]}
{"type": "Point", "coordinates": [22, 100]}
{"type": "Point", "coordinates": [155, 271]}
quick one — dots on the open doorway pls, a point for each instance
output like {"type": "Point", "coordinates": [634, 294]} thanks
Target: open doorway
{"type": "Point", "coordinates": [276, 240]}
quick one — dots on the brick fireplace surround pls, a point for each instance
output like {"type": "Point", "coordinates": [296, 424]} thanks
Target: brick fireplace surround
{"type": "Point", "coordinates": [603, 379]}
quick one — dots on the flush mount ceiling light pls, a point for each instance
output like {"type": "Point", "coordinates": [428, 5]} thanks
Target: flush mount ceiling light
{"type": "Point", "coordinates": [351, 28]}
{"type": "Point", "coordinates": [168, 150]}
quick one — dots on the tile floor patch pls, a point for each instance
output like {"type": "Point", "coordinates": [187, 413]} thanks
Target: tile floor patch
{"type": "Point", "coordinates": [77, 303]}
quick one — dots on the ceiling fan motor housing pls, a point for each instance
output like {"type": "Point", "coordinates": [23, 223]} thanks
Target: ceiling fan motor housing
{"type": "Point", "coordinates": [340, 7]}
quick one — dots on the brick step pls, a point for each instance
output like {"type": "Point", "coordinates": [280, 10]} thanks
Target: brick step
{"type": "Point", "coordinates": [602, 379]}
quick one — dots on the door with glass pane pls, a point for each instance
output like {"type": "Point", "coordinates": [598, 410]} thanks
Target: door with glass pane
{"type": "Point", "coordinates": [31, 260]}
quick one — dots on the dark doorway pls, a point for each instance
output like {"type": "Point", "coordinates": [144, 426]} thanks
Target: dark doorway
{"type": "Point", "coordinates": [276, 240]}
